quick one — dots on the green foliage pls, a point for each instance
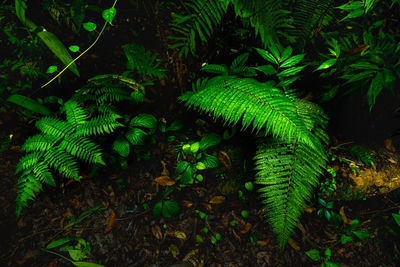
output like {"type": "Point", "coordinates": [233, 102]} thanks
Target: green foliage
{"type": "Point", "coordinates": [290, 154]}
{"type": "Point", "coordinates": [59, 146]}
{"type": "Point", "coordinates": [197, 23]}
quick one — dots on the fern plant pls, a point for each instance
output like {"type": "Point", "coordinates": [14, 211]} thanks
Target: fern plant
{"type": "Point", "coordinates": [290, 154]}
{"type": "Point", "coordinates": [59, 146]}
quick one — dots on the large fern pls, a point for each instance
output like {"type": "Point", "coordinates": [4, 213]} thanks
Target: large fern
{"type": "Point", "coordinates": [59, 146]}
{"type": "Point", "coordinates": [290, 154]}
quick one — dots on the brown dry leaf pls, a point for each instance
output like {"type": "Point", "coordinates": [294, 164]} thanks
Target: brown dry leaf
{"type": "Point", "coordinates": [156, 230]}
{"type": "Point", "coordinates": [111, 222]}
{"type": "Point", "coordinates": [389, 145]}
{"type": "Point", "coordinates": [246, 228]}
{"type": "Point", "coordinates": [174, 250]}
{"type": "Point", "coordinates": [302, 229]}
{"type": "Point", "coordinates": [53, 264]}
{"type": "Point", "coordinates": [331, 236]}
{"type": "Point", "coordinates": [74, 202]}
{"type": "Point", "coordinates": [236, 235]}
{"type": "Point", "coordinates": [217, 200]}
{"type": "Point", "coordinates": [392, 161]}
{"type": "Point", "coordinates": [164, 180]}
{"type": "Point", "coordinates": [263, 242]}
{"type": "Point", "coordinates": [180, 235]}
{"type": "Point", "coordinates": [186, 203]}
{"type": "Point", "coordinates": [194, 258]}
{"type": "Point", "coordinates": [293, 244]}
{"type": "Point", "coordinates": [225, 160]}
{"type": "Point", "coordinates": [343, 215]}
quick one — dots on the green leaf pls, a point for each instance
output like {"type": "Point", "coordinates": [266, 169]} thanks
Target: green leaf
{"type": "Point", "coordinates": [58, 49]}
{"type": "Point", "coordinates": [375, 89]}
{"type": "Point", "coordinates": [30, 104]}
{"type": "Point", "coordinates": [89, 26]}
{"type": "Point", "coordinates": [109, 14]}
{"type": "Point", "coordinates": [245, 214]}
{"type": "Point", "coordinates": [266, 69]}
{"type": "Point", "coordinates": [292, 61]}
{"type": "Point", "coordinates": [353, 5]}
{"type": "Point", "coordinates": [267, 56]}
{"type": "Point", "coordinates": [144, 120]}
{"type": "Point", "coordinates": [287, 52]}
{"type": "Point", "coordinates": [209, 140]}
{"type": "Point", "coordinates": [74, 48]}
{"type": "Point", "coordinates": [175, 126]}
{"type": "Point", "coordinates": [59, 242]}
{"type": "Point", "coordinates": [51, 69]}
{"type": "Point", "coordinates": [354, 14]}
{"type": "Point", "coordinates": [182, 166]}
{"type": "Point", "coordinates": [362, 234]}
{"type": "Point", "coordinates": [194, 147]}
{"type": "Point", "coordinates": [291, 71]}
{"type": "Point", "coordinates": [313, 254]}
{"type": "Point", "coordinates": [344, 239]}
{"type": "Point", "coordinates": [166, 208]}
{"type": "Point", "coordinates": [249, 186]}
{"type": "Point", "coordinates": [201, 166]}
{"type": "Point", "coordinates": [121, 146]}
{"type": "Point", "coordinates": [327, 64]}
{"type": "Point", "coordinates": [210, 161]}
{"type": "Point", "coordinates": [396, 217]}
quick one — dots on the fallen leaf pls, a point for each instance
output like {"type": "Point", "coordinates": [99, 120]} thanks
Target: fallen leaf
{"type": "Point", "coordinates": [180, 235]}
{"type": "Point", "coordinates": [174, 250]}
{"type": "Point", "coordinates": [186, 203]}
{"type": "Point", "coordinates": [302, 229]}
{"type": "Point", "coordinates": [343, 215]}
{"type": "Point", "coordinates": [392, 161]}
{"type": "Point", "coordinates": [236, 235]}
{"type": "Point", "coordinates": [111, 222]}
{"type": "Point", "coordinates": [217, 200]}
{"type": "Point", "coordinates": [263, 242]}
{"type": "Point", "coordinates": [156, 230]}
{"type": "Point", "coordinates": [331, 236]}
{"type": "Point", "coordinates": [246, 228]}
{"type": "Point", "coordinates": [293, 244]}
{"type": "Point", "coordinates": [225, 160]}
{"type": "Point", "coordinates": [308, 209]}
{"type": "Point", "coordinates": [74, 202]}
{"type": "Point", "coordinates": [53, 264]}
{"type": "Point", "coordinates": [164, 180]}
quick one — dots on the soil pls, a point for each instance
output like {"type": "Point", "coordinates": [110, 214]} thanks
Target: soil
{"type": "Point", "coordinates": [124, 233]}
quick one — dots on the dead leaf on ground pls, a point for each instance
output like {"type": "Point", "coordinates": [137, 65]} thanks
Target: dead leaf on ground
{"type": "Point", "coordinates": [236, 235]}
{"type": "Point", "coordinates": [217, 200]}
{"type": "Point", "coordinates": [293, 244]}
{"type": "Point", "coordinates": [164, 180]}
{"type": "Point", "coordinates": [186, 203]}
{"type": "Point", "coordinates": [174, 250]}
{"type": "Point", "coordinates": [53, 264]}
{"type": "Point", "coordinates": [181, 235]}
{"type": "Point", "coordinates": [343, 215]}
{"type": "Point", "coordinates": [302, 229]}
{"type": "Point", "coordinates": [264, 242]}
{"type": "Point", "coordinates": [156, 230]}
{"type": "Point", "coordinates": [111, 222]}
{"type": "Point", "coordinates": [225, 160]}
{"type": "Point", "coordinates": [246, 228]}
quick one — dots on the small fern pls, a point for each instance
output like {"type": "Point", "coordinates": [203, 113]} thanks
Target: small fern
{"type": "Point", "coordinates": [59, 146]}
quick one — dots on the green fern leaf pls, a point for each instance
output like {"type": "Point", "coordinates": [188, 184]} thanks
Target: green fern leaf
{"type": "Point", "coordinates": [40, 142]}
{"type": "Point", "coordinates": [55, 127]}
{"type": "Point", "coordinates": [27, 162]}
{"type": "Point", "coordinates": [64, 163]}
{"type": "Point", "coordinates": [75, 113]}
{"type": "Point", "coordinates": [28, 185]}
{"type": "Point", "coordinates": [288, 171]}
{"type": "Point", "coordinates": [99, 125]}
{"type": "Point", "coordinates": [259, 104]}
{"type": "Point", "coordinates": [82, 148]}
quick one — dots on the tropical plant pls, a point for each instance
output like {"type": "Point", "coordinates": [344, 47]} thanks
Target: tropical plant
{"type": "Point", "coordinates": [59, 146]}
{"type": "Point", "coordinates": [290, 154]}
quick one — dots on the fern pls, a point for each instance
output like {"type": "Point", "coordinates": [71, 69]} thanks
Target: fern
{"type": "Point", "coordinates": [201, 17]}
{"type": "Point", "coordinates": [59, 146]}
{"type": "Point", "coordinates": [290, 154]}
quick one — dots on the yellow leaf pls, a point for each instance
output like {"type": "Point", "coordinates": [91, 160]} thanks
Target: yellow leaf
{"type": "Point", "coordinates": [217, 200]}
{"type": "Point", "coordinates": [164, 180]}
{"type": "Point", "coordinates": [174, 250]}
{"type": "Point", "coordinates": [293, 244]}
{"type": "Point", "coordinates": [180, 235]}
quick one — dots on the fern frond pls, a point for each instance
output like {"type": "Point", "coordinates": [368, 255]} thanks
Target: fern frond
{"type": "Point", "coordinates": [288, 171]}
{"type": "Point", "coordinates": [203, 17]}
{"type": "Point", "coordinates": [75, 113]}
{"type": "Point", "coordinates": [28, 185]}
{"type": "Point", "coordinates": [82, 148]}
{"type": "Point", "coordinates": [64, 163]}
{"type": "Point", "coordinates": [39, 142]}
{"type": "Point", "coordinates": [55, 127]}
{"type": "Point", "coordinates": [256, 103]}
{"type": "Point", "coordinates": [99, 125]}
{"type": "Point", "coordinates": [28, 161]}
{"type": "Point", "coordinates": [111, 94]}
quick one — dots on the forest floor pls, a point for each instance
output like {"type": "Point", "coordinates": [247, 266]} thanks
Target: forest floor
{"type": "Point", "coordinates": [109, 210]}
